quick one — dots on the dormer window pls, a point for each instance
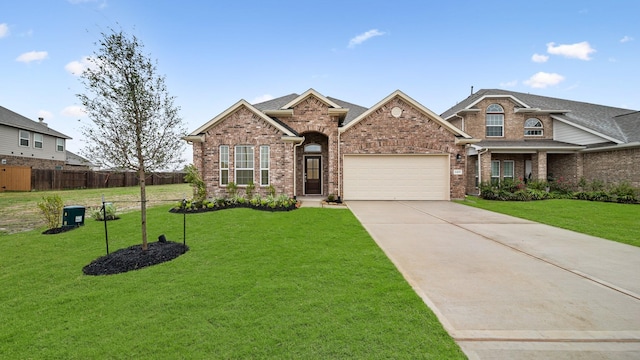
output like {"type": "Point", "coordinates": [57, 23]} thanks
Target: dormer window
{"type": "Point", "coordinates": [533, 127]}
{"type": "Point", "coordinates": [495, 121]}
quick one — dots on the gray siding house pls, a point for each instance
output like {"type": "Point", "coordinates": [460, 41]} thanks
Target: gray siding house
{"type": "Point", "coordinates": [24, 142]}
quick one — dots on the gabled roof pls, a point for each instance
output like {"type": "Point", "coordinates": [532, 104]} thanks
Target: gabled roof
{"type": "Point", "coordinates": [10, 118]}
{"type": "Point", "coordinates": [305, 95]}
{"type": "Point", "coordinates": [281, 103]}
{"type": "Point", "coordinates": [413, 103]}
{"type": "Point", "coordinates": [75, 159]}
{"type": "Point", "coordinates": [242, 103]}
{"type": "Point", "coordinates": [609, 122]}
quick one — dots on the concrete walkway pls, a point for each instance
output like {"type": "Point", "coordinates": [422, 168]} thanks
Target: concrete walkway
{"type": "Point", "coordinates": [507, 288]}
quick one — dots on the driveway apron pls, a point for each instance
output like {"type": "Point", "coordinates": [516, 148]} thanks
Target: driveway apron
{"type": "Point", "coordinates": [508, 288]}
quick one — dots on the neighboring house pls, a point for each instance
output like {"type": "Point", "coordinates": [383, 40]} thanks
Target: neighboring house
{"type": "Point", "coordinates": [526, 136]}
{"type": "Point", "coordinates": [24, 142]}
{"type": "Point", "coordinates": [311, 144]}
{"type": "Point", "coordinates": [77, 162]}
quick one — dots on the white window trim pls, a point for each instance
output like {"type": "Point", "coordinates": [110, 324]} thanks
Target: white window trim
{"type": "Point", "coordinates": [513, 169]}
{"type": "Point", "coordinates": [20, 138]}
{"type": "Point", "coordinates": [236, 168]}
{"type": "Point", "coordinates": [268, 153]}
{"type": "Point", "coordinates": [494, 112]}
{"type": "Point", "coordinates": [499, 169]}
{"type": "Point", "coordinates": [41, 141]}
{"type": "Point", "coordinates": [220, 159]}
{"type": "Point", "coordinates": [59, 142]}
{"type": "Point", "coordinates": [533, 128]}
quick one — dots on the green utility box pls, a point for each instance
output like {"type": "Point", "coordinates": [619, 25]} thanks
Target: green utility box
{"type": "Point", "coordinates": [73, 216]}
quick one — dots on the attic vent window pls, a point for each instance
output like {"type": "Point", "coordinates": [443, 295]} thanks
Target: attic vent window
{"type": "Point", "coordinates": [312, 148]}
{"type": "Point", "coordinates": [396, 112]}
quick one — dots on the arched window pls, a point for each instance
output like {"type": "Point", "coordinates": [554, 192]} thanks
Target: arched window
{"type": "Point", "coordinates": [312, 148]}
{"type": "Point", "coordinates": [495, 120]}
{"type": "Point", "coordinates": [533, 127]}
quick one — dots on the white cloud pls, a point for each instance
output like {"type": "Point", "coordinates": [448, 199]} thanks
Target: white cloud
{"type": "Point", "coordinates": [46, 115]}
{"type": "Point", "coordinates": [626, 38]}
{"type": "Point", "coordinates": [73, 111]}
{"type": "Point", "coordinates": [539, 58]}
{"type": "Point", "coordinates": [33, 56]}
{"type": "Point", "coordinates": [542, 80]}
{"type": "Point", "coordinates": [262, 98]}
{"type": "Point", "coordinates": [359, 39]}
{"type": "Point", "coordinates": [578, 50]}
{"type": "Point", "coordinates": [4, 30]}
{"type": "Point", "coordinates": [77, 67]}
{"type": "Point", "coordinates": [509, 84]}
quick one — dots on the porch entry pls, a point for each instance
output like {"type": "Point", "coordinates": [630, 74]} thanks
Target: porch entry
{"type": "Point", "coordinates": [312, 175]}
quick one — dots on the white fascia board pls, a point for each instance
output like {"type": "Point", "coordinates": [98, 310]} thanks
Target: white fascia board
{"type": "Point", "coordinates": [614, 147]}
{"type": "Point", "coordinates": [307, 93]}
{"type": "Point", "coordinates": [591, 131]}
{"type": "Point", "coordinates": [497, 96]}
{"type": "Point", "coordinates": [235, 107]}
{"type": "Point", "coordinates": [277, 113]}
{"type": "Point", "coordinates": [194, 138]}
{"type": "Point", "coordinates": [297, 139]}
{"type": "Point", "coordinates": [540, 111]}
{"type": "Point", "coordinates": [411, 102]}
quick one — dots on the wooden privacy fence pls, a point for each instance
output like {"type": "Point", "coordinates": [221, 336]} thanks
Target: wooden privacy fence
{"type": "Point", "coordinates": [15, 178]}
{"type": "Point", "coordinates": [42, 179]}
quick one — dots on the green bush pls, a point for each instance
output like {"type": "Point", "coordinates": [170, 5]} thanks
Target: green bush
{"type": "Point", "coordinates": [109, 208]}
{"type": "Point", "coordinates": [51, 208]}
{"type": "Point", "coordinates": [193, 177]}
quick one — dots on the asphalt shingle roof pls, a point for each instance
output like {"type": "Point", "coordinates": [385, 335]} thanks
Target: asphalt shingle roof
{"type": "Point", "coordinates": [614, 122]}
{"type": "Point", "coordinates": [278, 103]}
{"type": "Point", "coordinates": [10, 118]}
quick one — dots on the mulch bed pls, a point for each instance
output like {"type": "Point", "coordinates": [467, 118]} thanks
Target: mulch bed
{"type": "Point", "coordinates": [134, 258]}
{"type": "Point", "coordinates": [58, 230]}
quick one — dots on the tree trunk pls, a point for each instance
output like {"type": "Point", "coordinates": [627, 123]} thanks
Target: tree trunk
{"type": "Point", "coordinates": [143, 208]}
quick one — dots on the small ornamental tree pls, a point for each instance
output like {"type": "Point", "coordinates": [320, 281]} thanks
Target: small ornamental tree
{"type": "Point", "coordinates": [51, 208]}
{"type": "Point", "coordinates": [135, 125]}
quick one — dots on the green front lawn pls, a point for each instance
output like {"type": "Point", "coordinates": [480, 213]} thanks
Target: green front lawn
{"type": "Point", "coordinates": [306, 284]}
{"type": "Point", "coordinates": [613, 221]}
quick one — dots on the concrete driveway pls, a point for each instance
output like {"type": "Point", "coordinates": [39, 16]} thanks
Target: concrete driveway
{"type": "Point", "coordinates": [507, 288]}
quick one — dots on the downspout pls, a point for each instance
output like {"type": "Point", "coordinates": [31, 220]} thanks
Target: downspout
{"type": "Point", "coordinates": [295, 161]}
{"type": "Point", "coordinates": [339, 167]}
{"type": "Point", "coordinates": [480, 169]}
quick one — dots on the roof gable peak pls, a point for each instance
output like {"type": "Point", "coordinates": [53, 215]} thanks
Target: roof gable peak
{"type": "Point", "coordinates": [306, 94]}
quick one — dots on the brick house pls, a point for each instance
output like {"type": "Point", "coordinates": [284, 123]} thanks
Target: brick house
{"type": "Point", "coordinates": [311, 144]}
{"type": "Point", "coordinates": [535, 137]}
{"type": "Point", "coordinates": [24, 142]}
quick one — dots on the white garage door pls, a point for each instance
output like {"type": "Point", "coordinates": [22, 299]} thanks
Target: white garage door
{"type": "Point", "coordinates": [396, 177]}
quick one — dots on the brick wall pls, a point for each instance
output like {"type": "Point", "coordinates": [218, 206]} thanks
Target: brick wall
{"type": "Point", "coordinates": [613, 167]}
{"type": "Point", "coordinates": [412, 133]}
{"type": "Point", "coordinates": [243, 127]}
{"type": "Point", "coordinates": [475, 123]}
{"type": "Point", "coordinates": [34, 163]}
{"type": "Point", "coordinates": [311, 119]}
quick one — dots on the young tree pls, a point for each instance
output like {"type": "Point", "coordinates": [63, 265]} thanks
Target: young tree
{"type": "Point", "coordinates": [135, 124]}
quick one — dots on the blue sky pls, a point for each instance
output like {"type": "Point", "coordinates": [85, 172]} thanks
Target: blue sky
{"type": "Point", "coordinates": [214, 53]}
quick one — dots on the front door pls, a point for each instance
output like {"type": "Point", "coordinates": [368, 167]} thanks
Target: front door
{"type": "Point", "coordinates": [312, 175]}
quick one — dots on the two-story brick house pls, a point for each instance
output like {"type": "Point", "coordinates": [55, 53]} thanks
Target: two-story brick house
{"type": "Point", "coordinates": [311, 144]}
{"type": "Point", "coordinates": [24, 142]}
{"type": "Point", "coordinates": [535, 137]}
